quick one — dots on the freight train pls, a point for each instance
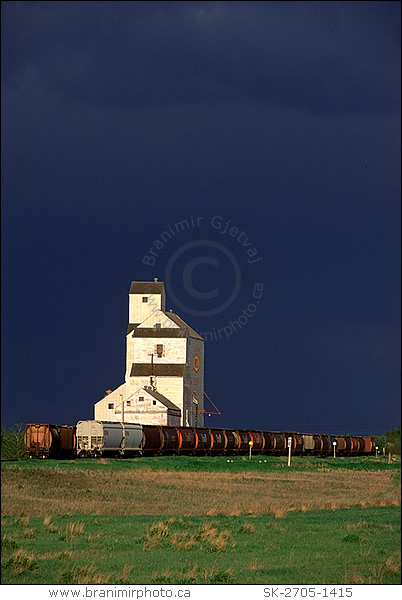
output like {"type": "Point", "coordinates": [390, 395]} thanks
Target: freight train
{"type": "Point", "coordinates": [110, 438]}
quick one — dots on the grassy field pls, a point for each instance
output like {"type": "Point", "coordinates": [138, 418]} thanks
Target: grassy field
{"type": "Point", "coordinates": [201, 520]}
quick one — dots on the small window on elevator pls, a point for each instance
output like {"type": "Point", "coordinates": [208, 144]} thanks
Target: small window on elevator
{"type": "Point", "coordinates": [159, 350]}
{"type": "Point", "coordinates": [145, 298]}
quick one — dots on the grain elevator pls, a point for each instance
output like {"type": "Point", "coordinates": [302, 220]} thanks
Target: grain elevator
{"type": "Point", "coordinates": [164, 378]}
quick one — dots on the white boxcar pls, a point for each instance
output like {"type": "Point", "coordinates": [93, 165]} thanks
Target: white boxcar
{"type": "Point", "coordinates": [97, 438]}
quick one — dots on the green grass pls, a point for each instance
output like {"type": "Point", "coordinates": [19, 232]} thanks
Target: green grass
{"type": "Point", "coordinates": [217, 464]}
{"type": "Point", "coordinates": [199, 520]}
{"type": "Point", "coordinates": [353, 546]}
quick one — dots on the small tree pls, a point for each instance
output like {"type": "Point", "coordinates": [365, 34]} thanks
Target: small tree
{"type": "Point", "coordinates": [380, 441]}
{"type": "Point", "coordinates": [393, 441]}
{"type": "Point", "coordinates": [12, 442]}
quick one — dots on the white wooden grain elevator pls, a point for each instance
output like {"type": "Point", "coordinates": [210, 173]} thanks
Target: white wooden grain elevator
{"type": "Point", "coordinates": [164, 380]}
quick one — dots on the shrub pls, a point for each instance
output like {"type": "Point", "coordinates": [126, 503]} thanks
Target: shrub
{"type": "Point", "coordinates": [12, 442]}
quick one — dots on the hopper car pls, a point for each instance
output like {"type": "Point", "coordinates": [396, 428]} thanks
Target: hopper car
{"type": "Point", "coordinates": [101, 438]}
{"type": "Point", "coordinates": [43, 440]}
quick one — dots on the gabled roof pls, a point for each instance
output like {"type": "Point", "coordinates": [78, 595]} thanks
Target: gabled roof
{"type": "Point", "coordinates": [131, 326]}
{"type": "Point", "coordinates": [164, 331]}
{"type": "Point", "coordinates": [162, 399]}
{"type": "Point", "coordinates": [176, 319]}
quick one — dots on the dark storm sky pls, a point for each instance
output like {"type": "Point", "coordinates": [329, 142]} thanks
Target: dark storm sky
{"type": "Point", "coordinates": [124, 120]}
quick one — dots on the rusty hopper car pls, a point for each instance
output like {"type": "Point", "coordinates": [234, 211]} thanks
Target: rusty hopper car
{"type": "Point", "coordinates": [100, 438]}
{"type": "Point", "coordinates": [43, 440]}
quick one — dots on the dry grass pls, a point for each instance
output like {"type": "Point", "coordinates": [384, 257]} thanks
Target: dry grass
{"type": "Point", "coordinates": [255, 565]}
{"type": "Point", "coordinates": [391, 566]}
{"type": "Point", "coordinates": [182, 541]}
{"type": "Point", "coordinates": [29, 533]}
{"type": "Point", "coordinates": [125, 575]}
{"type": "Point", "coordinates": [22, 521]}
{"type": "Point", "coordinates": [157, 532]}
{"type": "Point", "coordinates": [247, 528]}
{"type": "Point", "coordinates": [359, 525]}
{"type": "Point", "coordinates": [73, 529]}
{"type": "Point", "coordinates": [208, 531]}
{"type": "Point", "coordinates": [49, 491]}
{"type": "Point", "coordinates": [87, 574]}
{"type": "Point", "coordinates": [206, 537]}
{"type": "Point", "coordinates": [93, 538]}
{"type": "Point", "coordinates": [222, 541]}
{"type": "Point", "coordinates": [194, 575]}
{"type": "Point", "coordinates": [51, 527]}
{"type": "Point", "coordinates": [8, 541]}
{"type": "Point", "coordinates": [21, 562]}
{"type": "Point", "coordinates": [393, 563]}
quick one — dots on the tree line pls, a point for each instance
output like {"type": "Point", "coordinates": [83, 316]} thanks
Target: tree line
{"type": "Point", "coordinates": [391, 441]}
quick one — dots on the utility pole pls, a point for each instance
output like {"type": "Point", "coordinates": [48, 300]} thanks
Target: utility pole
{"type": "Point", "coordinates": [151, 379]}
{"type": "Point", "coordinates": [123, 441]}
{"type": "Point", "coordinates": [290, 449]}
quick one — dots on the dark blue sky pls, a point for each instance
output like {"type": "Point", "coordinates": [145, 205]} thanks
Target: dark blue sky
{"type": "Point", "coordinates": [122, 120]}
